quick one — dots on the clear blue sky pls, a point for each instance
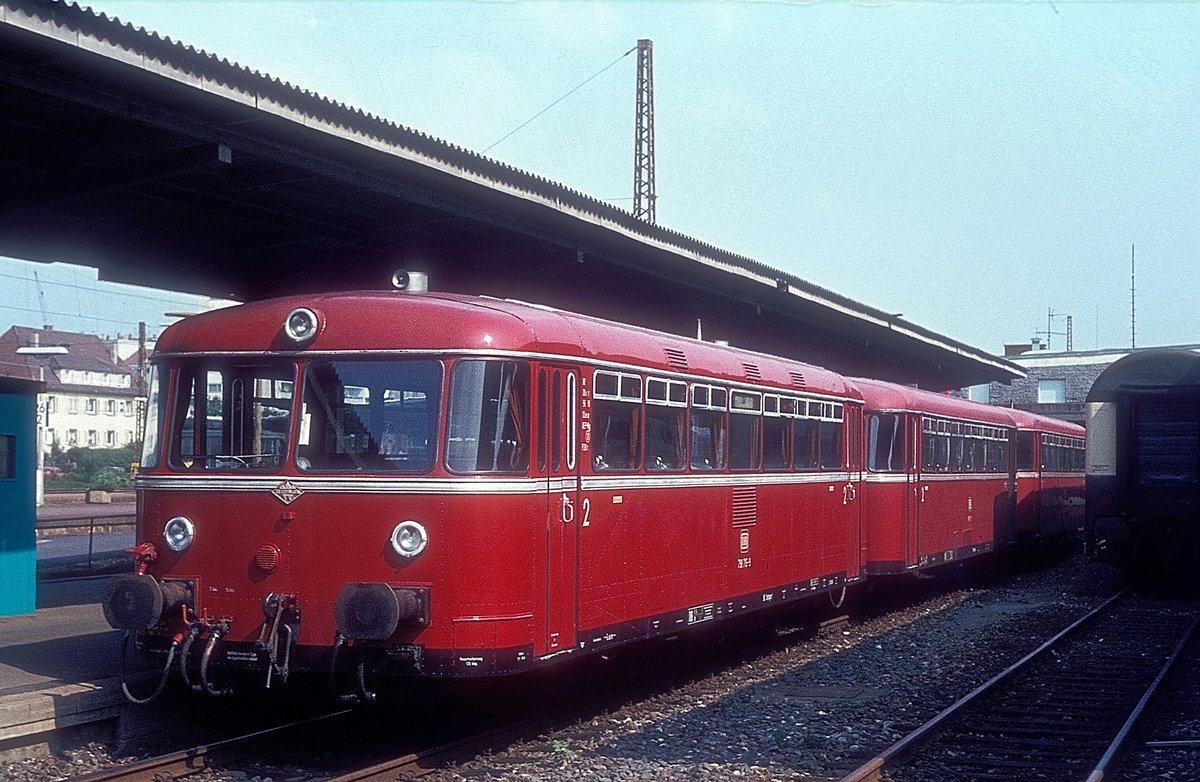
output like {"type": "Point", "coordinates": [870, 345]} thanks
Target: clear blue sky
{"type": "Point", "coordinates": [969, 165]}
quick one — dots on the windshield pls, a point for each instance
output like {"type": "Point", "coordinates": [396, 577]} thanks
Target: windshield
{"type": "Point", "coordinates": [370, 416]}
{"type": "Point", "coordinates": [231, 415]}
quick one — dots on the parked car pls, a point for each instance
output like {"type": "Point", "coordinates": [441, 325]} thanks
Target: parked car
{"type": "Point", "coordinates": [53, 471]}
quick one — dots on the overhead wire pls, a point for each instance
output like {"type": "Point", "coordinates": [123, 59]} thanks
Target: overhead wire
{"type": "Point", "coordinates": [560, 100]}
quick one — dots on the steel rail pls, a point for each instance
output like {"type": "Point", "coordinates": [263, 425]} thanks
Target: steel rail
{"type": "Point", "coordinates": [177, 765]}
{"type": "Point", "coordinates": [1122, 738]}
{"type": "Point", "coordinates": [871, 770]}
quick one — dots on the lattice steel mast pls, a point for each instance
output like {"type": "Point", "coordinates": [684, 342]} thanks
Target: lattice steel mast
{"type": "Point", "coordinates": [643, 142]}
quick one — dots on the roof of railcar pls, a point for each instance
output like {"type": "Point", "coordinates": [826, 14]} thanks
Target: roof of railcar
{"type": "Point", "coordinates": [880, 395]}
{"type": "Point", "coordinates": [390, 321]}
{"type": "Point", "coordinates": [1027, 420]}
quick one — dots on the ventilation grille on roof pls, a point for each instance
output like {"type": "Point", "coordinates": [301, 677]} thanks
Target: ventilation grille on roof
{"type": "Point", "coordinates": [797, 379]}
{"type": "Point", "coordinates": [752, 371]}
{"type": "Point", "coordinates": [676, 358]}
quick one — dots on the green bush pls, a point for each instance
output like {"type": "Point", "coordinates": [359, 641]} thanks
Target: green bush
{"type": "Point", "coordinates": [109, 481]}
{"type": "Point", "coordinates": [106, 469]}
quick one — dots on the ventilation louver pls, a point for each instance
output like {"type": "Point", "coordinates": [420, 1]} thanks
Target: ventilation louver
{"type": "Point", "coordinates": [676, 359]}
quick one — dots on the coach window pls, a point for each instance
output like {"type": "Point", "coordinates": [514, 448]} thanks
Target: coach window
{"type": "Point", "coordinates": [616, 421]}
{"type": "Point", "coordinates": [1027, 451]}
{"type": "Point", "coordinates": [958, 443]}
{"type": "Point", "coordinates": [777, 432]}
{"type": "Point", "coordinates": [745, 430]}
{"type": "Point", "coordinates": [806, 436]}
{"type": "Point", "coordinates": [832, 438]}
{"type": "Point", "coordinates": [666, 424]}
{"type": "Point", "coordinates": [488, 428]}
{"type": "Point", "coordinates": [935, 446]}
{"type": "Point", "coordinates": [885, 443]}
{"type": "Point", "coordinates": [708, 429]}
{"type": "Point", "coordinates": [542, 399]}
{"type": "Point", "coordinates": [996, 451]}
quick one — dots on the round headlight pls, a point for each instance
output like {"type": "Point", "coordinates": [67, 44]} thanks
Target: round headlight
{"type": "Point", "coordinates": [409, 539]}
{"type": "Point", "coordinates": [179, 533]}
{"type": "Point", "coordinates": [301, 324]}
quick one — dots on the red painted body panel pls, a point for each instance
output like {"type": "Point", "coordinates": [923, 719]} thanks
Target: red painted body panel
{"type": "Point", "coordinates": [479, 560]}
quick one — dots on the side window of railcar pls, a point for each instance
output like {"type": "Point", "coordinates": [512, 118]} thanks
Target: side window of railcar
{"type": "Point", "coordinates": [369, 416]}
{"type": "Point", "coordinates": [232, 416]}
{"type": "Point", "coordinates": [935, 446]}
{"type": "Point", "coordinates": [832, 435]}
{"type": "Point", "coordinates": [488, 427]}
{"type": "Point", "coordinates": [666, 424]}
{"type": "Point", "coordinates": [745, 430]}
{"type": "Point", "coordinates": [885, 443]}
{"type": "Point", "coordinates": [1027, 451]}
{"type": "Point", "coordinates": [777, 432]}
{"type": "Point", "coordinates": [1062, 454]}
{"type": "Point", "coordinates": [817, 435]}
{"type": "Point", "coordinates": [996, 452]}
{"type": "Point", "coordinates": [806, 439]}
{"type": "Point", "coordinates": [616, 421]}
{"type": "Point", "coordinates": [709, 427]}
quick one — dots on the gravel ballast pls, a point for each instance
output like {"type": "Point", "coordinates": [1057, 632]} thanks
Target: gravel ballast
{"type": "Point", "coordinates": [813, 709]}
{"type": "Point", "coordinates": [821, 708]}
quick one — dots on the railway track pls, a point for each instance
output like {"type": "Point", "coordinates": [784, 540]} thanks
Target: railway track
{"type": "Point", "coordinates": [185, 763]}
{"type": "Point", "coordinates": [1064, 712]}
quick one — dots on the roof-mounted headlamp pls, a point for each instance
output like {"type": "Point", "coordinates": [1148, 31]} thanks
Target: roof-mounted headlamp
{"type": "Point", "coordinates": [301, 325]}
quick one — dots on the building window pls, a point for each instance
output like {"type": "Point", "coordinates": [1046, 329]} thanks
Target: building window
{"type": "Point", "coordinates": [48, 437]}
{"type": "Point", "coordinates": [52, 404]}
{"type": "Point", "coordinates": [110, 438]}
{"type": "Point", "coordinates": [110, 406]}
{"type": "Point", "coordinates": [980, 393]}
{"type": "Point", "coordinates": [128, 438]}
{"type": "Point", "coordinates": [91, 437]}
{"type": "Point", "coordinates": [73, 404]}
{"type": "Point", "coordinates": [90, 406]}
{"type": "Point", "coordinates": [72, 437]}
{"type": "Point", "coordinates": [1052, 392]}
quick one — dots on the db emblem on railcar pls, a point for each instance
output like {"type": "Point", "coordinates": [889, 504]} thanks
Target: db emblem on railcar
{"type": "Point", "coordinates": [287, 492]}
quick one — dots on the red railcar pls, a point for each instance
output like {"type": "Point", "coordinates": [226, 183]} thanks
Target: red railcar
{"type": "Point", "coordinates": [424, 484]}
{"type": "Point", "coordinates": [947, 478]}
{"type": "Point", "coordinates": [468, 486]}
{"type": "Point", "coordinates": [1049, 461]}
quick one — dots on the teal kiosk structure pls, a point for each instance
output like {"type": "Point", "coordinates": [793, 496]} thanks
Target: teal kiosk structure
{"type": "Point", "coordinates": [18, 516]}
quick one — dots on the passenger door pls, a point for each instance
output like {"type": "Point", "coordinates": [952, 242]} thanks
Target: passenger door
{"type": "Point", "coordinates": [850, 494]}
{"type": "Point", "coordinates": [912, 468]}
{"type": "Point", "coordinates": [558, 457]}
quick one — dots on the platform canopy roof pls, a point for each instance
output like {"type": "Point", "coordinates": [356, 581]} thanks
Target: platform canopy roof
{"type": "Point", "coordinates": [166, 166]}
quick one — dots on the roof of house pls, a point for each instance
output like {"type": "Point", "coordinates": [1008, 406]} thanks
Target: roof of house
{"type": "Point", "coordinates": [84, 352]}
